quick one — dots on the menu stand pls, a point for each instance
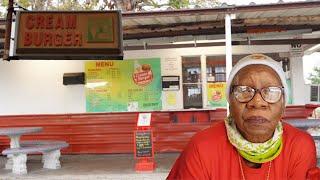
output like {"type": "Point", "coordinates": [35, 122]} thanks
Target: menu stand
{"type": "Point", "coordinates": [143, 144]}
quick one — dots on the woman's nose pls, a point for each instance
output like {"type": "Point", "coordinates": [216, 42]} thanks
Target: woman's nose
{"type": "Point", "coordinates": [257, 102]}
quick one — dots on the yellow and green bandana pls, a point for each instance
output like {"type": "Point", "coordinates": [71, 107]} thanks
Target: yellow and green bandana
{"type": "Point", "coordinates": [255, 152]}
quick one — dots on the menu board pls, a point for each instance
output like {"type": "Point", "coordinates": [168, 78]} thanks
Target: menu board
{"type": "Point", "coordinates": [143, 144]}
{"type": "Point", "coordinates": [128, 85]}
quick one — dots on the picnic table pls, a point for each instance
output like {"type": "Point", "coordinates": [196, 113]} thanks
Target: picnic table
{"type": "Point", "coordinates": [17, 153]}
{"type": "Point", "coordinates": [14, 134]}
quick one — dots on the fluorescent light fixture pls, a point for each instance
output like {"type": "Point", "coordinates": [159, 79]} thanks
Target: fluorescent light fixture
{"type": "Point", "coordinates": [200, 41]}
{"type": "Point", "coordinates": [314, 47]}
{"type": "Point", "coordinates": [93, 85]}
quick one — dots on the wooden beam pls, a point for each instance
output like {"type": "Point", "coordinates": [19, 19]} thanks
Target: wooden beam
{"type": "Point", "coordinates": [222, 10]}
{"type": "Point", "coordinates": [8, 31]}
{"type": "Point", "coordinates": [297, 20]}
{"type": "Point", "coordinates": [200, 30]}
{"type": "Point", "coordinates": [254, 42]}
{"type": "Point", "coordinates": [275, 24]}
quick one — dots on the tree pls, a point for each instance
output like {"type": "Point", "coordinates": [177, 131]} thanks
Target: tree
{"type": "Point", "coordinates": [42, 5]}
{"type": "Point", "coordinates": [23, 3]}
{"type": "Point", "coordinates": [314, 77]}
{"type": "Point", "coordinates": [124, 5]}
{"type": "Point", "coordinates": [38, 5]}
{"type": "Point", "coordinates": [179, 4]}
{"type": "Point", "coordinates": [4, 4]}
{"type": "Point", "coordinates": [182, 4]}
{"type": "Point", "coordinates": [145, 5]}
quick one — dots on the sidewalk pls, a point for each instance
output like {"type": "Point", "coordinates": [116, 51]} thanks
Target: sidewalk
{"type": "Point", "coordinates": [92, 167]}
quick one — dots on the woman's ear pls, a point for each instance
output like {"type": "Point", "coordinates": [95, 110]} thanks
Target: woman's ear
{"type": "Point", "coordinates": [230, 112]}
{"type": "Point", "coordinates": [283, 107]}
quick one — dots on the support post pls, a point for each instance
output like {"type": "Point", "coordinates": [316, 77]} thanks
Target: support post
{"type": "Point", "coordinates": [7, 35]}
{"type": "Point", "coordinates": [228, 18]}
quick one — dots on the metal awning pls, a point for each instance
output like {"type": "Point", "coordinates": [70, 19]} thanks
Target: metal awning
{"type": "Point", "coordinates": [263, 24]}
{"type": "Point", "coordinates": [281, 23]}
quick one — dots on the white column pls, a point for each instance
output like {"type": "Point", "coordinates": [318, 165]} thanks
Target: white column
{"type": "Point", "coordinates": [228, 44]}
{"type": "Point", "coordinates": [299, 90]}
{"type": "Point", "coordinates": [228, 18]}
{"type": "Point", "coordinates": [204, 81]}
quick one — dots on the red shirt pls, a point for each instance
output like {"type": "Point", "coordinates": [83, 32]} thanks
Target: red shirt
{"type": "Point", "coordinates": [209, 155]}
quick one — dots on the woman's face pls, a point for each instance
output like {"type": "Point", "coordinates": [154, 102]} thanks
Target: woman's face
{"type": "Point", "coordinates": [257, 119]}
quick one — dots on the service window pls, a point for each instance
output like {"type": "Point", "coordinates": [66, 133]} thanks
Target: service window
{"type": "Point", "coordinates": [191, 82]}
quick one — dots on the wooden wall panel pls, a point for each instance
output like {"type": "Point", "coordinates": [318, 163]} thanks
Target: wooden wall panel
{"type": "Point", "coordinates": [113, 132]}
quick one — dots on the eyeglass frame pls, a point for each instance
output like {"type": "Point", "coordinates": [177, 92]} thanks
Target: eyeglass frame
{"type": "Point", "coordinates": [255, 92]}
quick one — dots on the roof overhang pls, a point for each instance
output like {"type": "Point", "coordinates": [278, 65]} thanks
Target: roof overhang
{"type": "Point", "coordinates": [281, 23]}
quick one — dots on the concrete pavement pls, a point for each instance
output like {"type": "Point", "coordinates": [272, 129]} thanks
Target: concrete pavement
{"type": "Point", "coordinates": [92, 167]}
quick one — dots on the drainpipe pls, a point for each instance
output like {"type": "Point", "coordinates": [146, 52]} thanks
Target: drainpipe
{"type": "Point", "coordinates": [228, 18]}
{"type": "Point", "coordinates": [7, 35]}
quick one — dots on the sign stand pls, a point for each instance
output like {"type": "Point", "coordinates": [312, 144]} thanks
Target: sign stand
{"type": "Point", "coordinates": [143, 144]}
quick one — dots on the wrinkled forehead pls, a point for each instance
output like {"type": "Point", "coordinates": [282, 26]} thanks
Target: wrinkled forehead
{"type": "Point", "coordinates": [265, 72]}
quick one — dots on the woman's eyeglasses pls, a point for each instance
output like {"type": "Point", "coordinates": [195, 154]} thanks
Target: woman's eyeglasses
{"type": "Point", "coordinates": [245, 94]}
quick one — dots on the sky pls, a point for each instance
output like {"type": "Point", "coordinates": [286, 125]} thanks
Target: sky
{"type": "Point", "coordinates": [309, 61]}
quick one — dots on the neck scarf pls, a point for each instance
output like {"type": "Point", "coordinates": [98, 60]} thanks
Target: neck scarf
{"type": "Point", "coordinates": [255, 152]}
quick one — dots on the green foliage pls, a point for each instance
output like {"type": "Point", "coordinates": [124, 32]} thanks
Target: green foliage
{"type": "Point", "coordinates": [179, 4]}
{"type": "Point", "coordinates": [314, 77]}
{"type": "Point", "coordinates": [38, 5]}
{"type": "Point", "coordinates": [206, 3]}
{"type": "Point", "coordinates": [183, 4]}
{"type": "Point", "coordinates": [4, 4]}
{"type": "Point", "coordinates": [43, 5]}
{"type": "Point", "coordinates": [152, 3]}
{"type": "Point", "coordinates": [64, 5]}
{"type": "Point", "coordinates": [90, 6]}
{"type": "Point", "coordinates": [23, 3]}
{"type": "Point", "coordinates": [130, 5]}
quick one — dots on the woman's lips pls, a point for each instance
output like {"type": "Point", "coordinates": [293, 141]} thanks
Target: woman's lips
{"type": "Point", "coordinates": [256, 120]}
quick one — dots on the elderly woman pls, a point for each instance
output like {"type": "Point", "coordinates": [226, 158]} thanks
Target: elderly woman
{"type": "Point", "coordinates": [252, 143]}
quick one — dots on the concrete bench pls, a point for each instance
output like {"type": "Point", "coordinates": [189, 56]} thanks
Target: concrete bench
{"type": "Point", "coordinates": [49, 149]}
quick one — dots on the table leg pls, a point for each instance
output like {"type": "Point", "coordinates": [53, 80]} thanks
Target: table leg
{"type": "Point", "coordinates": [51, 159]}
{"type": "Point", "coordinates": [19, 164]}
{"type": "Point", "coordinates": [14, 143]}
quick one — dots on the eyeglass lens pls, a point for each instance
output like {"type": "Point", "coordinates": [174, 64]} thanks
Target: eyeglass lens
{"type": "Point", "coordinates": [246, 93]}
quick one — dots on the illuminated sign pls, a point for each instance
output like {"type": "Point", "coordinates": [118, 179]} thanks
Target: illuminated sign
{"type": "Point", "coordinates": [68, 35]}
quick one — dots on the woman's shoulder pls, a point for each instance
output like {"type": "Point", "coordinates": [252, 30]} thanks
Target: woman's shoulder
{"type": "Point", "coordinates": [293, 134]}
{"type": "Point", "coordinates": [215, 134]}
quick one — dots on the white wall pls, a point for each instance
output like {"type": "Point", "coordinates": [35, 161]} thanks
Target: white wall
{"type": "Point", "coordinates": [35, 87]}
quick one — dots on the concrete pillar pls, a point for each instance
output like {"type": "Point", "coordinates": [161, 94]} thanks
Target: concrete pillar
{"type": "Point", "coordinates": [228, 18]}
{"type": "Point", "coordinates": [228, 44]}
{"type": "Point", "coordinates": [204, 81]}
{"type": "Point", "coordinates": [299, 90]}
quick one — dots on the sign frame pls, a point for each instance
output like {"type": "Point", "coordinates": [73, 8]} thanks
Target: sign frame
{"type": "Point", "coordinates": [170, 83]}
{"type": "Point", "coordinates": [144, 119]}
{"type": "Point", "coordinates": [135, 145]}
{"type": "Point", "coordinates": [87, 53]}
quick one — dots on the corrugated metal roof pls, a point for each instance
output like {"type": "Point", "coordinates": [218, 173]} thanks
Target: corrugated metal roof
{"type": "Point", "coordinates": [284, 20]}
{"type": "Point", "coordinates": [282, 17]}
{"type": "Point", "coordinates": [217, 14]}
